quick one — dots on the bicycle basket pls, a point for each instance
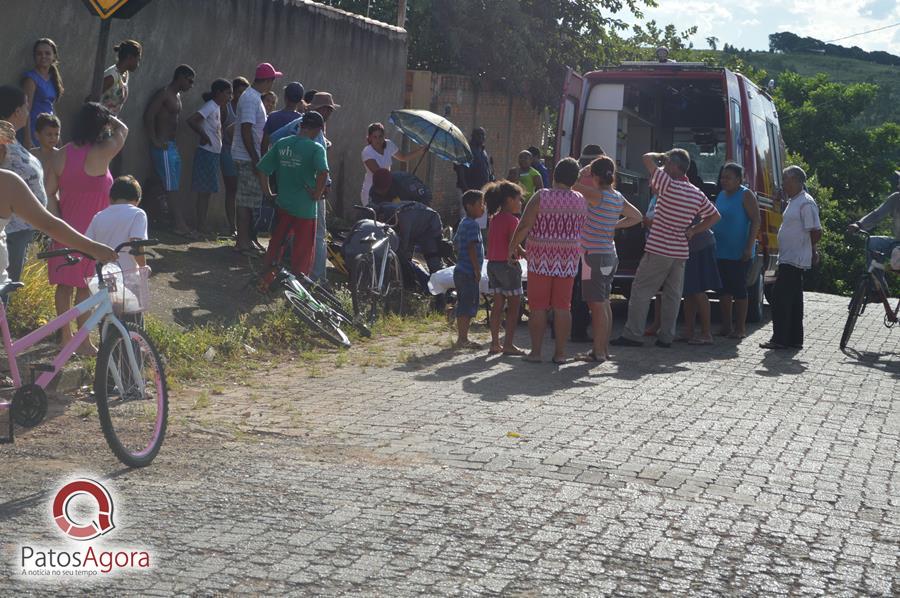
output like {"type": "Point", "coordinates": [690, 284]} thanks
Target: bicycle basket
{"type": "Point", "coordinates": [129, 290]}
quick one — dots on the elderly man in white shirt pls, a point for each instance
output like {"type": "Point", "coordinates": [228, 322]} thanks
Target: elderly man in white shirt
{"type": "Point", "coordinates": [797, 240]}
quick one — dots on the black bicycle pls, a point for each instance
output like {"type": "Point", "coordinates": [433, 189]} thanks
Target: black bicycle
{"type": "Point", "coordinates": [376, 278]}
{"type": "Point", "coordinates": [871, 288]}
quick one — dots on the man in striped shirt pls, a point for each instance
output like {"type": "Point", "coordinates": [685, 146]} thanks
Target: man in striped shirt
{"type": "Point", "coordinates": [678, 202]}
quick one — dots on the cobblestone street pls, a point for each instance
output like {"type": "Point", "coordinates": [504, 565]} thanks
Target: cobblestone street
{"type": "Point", "coordinates": [706, 471]}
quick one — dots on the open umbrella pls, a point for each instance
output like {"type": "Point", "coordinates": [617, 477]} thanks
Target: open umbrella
{"type": "Point", "coordinates": [436, 133]}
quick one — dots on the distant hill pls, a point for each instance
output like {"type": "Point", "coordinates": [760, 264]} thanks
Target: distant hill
{"type": "Point", "coordinates": [841, 70]}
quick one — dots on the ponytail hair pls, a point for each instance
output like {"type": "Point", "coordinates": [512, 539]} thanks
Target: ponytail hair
{"type": "Point", "coordinates": [218, 86]}
{"type": "Point", "coordinates": [126, 48]}
{"type": "Point", "coordinates": [496, 194]}
{"type": "Point", "coordinates": [55, 75]}
{"type": "Point", "coordinates": [605, 169]}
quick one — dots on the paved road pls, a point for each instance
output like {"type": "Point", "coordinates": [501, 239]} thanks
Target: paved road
{"type": "Point", "coordinates": [692, 471]}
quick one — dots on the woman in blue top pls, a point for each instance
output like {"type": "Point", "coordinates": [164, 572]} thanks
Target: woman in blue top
{"type": "Point", "coordinates": [735, 246]}
{"type": "Point", "coordinates": [42, 84]}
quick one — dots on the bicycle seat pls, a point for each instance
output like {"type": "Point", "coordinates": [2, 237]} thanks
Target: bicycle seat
{"type": "Point", "coordinates": [9, 287]}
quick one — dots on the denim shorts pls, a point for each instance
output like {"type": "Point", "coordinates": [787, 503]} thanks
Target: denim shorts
{"type": "Point", "coordinates": [467, 296]}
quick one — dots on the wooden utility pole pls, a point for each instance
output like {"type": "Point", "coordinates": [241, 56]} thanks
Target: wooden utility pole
{"type": "Point", "coordinates": [401, 13]}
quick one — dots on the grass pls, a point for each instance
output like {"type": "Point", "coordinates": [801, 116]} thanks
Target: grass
{"type": "Point", "coordinates": [244, 346]}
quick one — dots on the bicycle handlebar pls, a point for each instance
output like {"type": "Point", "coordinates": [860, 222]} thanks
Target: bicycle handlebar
{"type": "Point", "coordinates": [70, 254]}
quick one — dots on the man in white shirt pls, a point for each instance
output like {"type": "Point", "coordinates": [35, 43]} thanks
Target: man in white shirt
{"type": "Point", "coordinates": [245, 148]}
{"type": "Point", "coordinates": [797, 240]}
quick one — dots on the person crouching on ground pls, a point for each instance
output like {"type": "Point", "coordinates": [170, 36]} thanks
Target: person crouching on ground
{"type": "Point", "coordinates": [504, 204]}
{"type": "Point", "coordinates": [302, 170]}
{"type": "Point", "coordinates": [467, 272]}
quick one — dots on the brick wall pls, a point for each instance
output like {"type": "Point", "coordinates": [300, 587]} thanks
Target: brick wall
{"type": "Point", "coordinates": [511, 122]}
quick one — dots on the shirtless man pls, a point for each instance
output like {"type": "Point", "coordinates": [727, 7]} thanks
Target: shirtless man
{"type": "Point", "coordinates": [161, 123]}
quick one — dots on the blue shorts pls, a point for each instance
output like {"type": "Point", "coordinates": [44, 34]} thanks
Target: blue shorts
{"type": "Point", "coordinates": [205, 177]}
{"type": "Point", "coordinates": [228, 167]}
{"type": "Point", "coordinates": [467, 296]}
{"type": "Point", "coordinates": [167, 163]}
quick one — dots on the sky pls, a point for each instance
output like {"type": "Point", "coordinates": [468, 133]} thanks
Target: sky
{"type": "Point", "coordinates": [748, 23]}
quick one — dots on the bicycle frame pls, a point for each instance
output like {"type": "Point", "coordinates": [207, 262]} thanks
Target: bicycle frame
{"type": "Point", "coordinates": [378, 288]}
{"type": "Point", "coordinates": [102, 307]}
{"type": "Point", "coordinates": [874, 265]}
{"type": "Point", "coordinates": [291, 282]}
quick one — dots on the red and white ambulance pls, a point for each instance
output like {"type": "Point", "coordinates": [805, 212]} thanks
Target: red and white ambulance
{"type": "Point", "coordinates": [715, 114]}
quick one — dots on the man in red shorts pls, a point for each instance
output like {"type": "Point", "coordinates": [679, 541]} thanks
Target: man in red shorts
{"type": "Point", "coordinates": [302, 170]}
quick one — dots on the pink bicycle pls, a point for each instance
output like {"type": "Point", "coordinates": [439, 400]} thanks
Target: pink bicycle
{"type": "Point", "coordinates": [129, 383]}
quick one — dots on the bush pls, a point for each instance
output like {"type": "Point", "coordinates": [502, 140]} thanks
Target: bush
{"type": "Point", "coordinates": [33, 305]}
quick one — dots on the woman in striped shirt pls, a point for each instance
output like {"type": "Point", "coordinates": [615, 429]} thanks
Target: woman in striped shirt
{"type": "Point", "coordinates": [608, 210]}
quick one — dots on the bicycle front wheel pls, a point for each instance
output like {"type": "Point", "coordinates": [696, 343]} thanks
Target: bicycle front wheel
{"type": "Point", "coordinates": [856, 307]}
{"type": "Point", "coordinates": [393, 286]}
{"type": "Point", "coordinates": [324, 324]}
{"type": "Point", "coordinates": [132, 398]}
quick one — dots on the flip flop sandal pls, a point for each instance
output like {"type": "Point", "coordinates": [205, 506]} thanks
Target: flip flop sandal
{"type": "Point", "coordinates": [590, 356]}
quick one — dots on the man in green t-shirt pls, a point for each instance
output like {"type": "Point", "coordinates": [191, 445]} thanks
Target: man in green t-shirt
{"type": "Point", "coordinates": [302, 170]}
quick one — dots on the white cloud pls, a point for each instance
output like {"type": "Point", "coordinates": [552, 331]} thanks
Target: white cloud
{"type": "Point", "coordinates": [821, 19]}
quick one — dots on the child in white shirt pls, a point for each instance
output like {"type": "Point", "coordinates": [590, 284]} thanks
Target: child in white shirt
{"type": "Point", "coordinates": [122, 221]}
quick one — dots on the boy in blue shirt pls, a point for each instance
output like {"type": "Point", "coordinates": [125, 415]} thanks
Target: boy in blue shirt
{"type": "Point", "coordinates": [467, 273]}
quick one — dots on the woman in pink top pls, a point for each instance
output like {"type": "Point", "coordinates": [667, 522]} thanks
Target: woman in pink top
{"type": "Point", "coordinates": [78, 183]}
{"type": "Point", "coordinates": [552, 223]}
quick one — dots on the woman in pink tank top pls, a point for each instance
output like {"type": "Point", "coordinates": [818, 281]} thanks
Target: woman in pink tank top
{"type": "Point", "coordinates": [78, 183]}
{"type": "Point", "coordinates": [552, 224]}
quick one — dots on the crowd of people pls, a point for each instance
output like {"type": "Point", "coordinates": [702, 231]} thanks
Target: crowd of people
{"type": "Point", "coordinates": [693, 246]}
{"type": "Point", "coordinates": [562, 224]}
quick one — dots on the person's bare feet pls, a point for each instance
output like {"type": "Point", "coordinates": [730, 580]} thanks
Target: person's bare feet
{"type": "Point", "coordinates": [464, 343]}
{"type": "Point", "coordinates": [533, 357]}
{"type": "Point", "coordinates": [495, 350]}
{"type": "Point", "coordinates": [513, 350]}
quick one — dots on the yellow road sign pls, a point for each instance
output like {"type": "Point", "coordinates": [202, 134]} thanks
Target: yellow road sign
{"type": "Point", "coordinates": [106, 8]}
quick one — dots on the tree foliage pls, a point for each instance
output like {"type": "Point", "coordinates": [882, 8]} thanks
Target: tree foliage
{"type": "Point", "coordinates": [786, 41]}
{"type": "Point", "coordinates": [523, 46]}
{"type": "Point", "coordinates": [852, 164]}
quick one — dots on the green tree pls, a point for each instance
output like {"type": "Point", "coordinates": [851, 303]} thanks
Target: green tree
{"type": "Point", "coordinates": [851, 164]}
{"type": "Point", "coordinates": [523, 46]}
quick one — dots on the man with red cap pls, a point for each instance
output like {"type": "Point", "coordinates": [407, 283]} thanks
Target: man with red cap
{"type": "Point", "coordinates": [245, 150]}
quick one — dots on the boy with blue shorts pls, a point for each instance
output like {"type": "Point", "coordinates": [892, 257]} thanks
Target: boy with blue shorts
{"type": "Point", "coordinates": [467, 272]}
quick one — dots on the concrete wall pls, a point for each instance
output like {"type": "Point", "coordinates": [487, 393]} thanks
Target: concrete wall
{"type": "Point", "coordinates": [360, 61]}
{"type": "Point", "coordinates": [512, 125]}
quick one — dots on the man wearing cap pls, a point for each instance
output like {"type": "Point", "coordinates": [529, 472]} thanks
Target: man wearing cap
{"type": "Point", "coordinates": [245, 149]}
{"type": "Point", "coordinates": [293, 108]}
{"type": "Point", "coordinates": [302, 170]}
{"type": "Point", "coordinates": [538, 165]}
{"type": "Point", "coordinates": [889, 209]}
{"type": "Point", "coordinates": [324, 104]}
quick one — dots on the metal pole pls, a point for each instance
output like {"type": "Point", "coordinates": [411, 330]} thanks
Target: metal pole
{"type": "Point", "coordinates": [100, 60]}
{"type": "Point", "coordinates": [427, 147]}
{"type": "Point", "coordinates": [401, 13]}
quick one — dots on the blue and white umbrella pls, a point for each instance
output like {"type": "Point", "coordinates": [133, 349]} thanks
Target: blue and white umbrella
{"type": "Point", "coordinates": [439, 136]}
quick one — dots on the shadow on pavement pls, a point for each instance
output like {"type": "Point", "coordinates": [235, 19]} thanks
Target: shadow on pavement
{"type": "Point", "coordinates": [781, 363]}
{"type": "Point", "coordinates": [884, 361]}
